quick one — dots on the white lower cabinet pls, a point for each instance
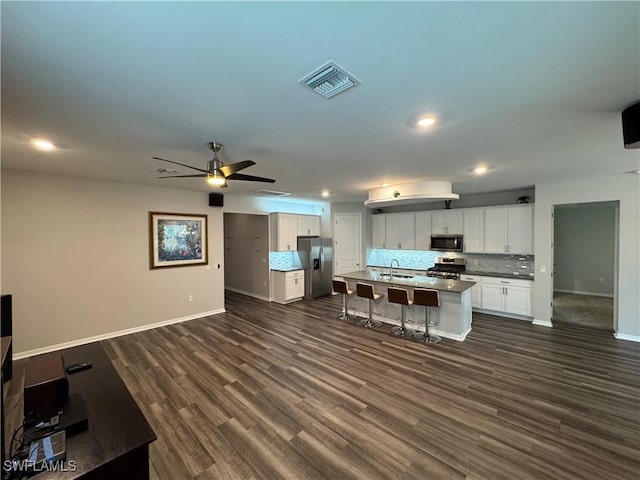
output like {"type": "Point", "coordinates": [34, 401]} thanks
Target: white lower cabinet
{"type": "Point", "coordinates": [287, 286]}
{"type": "Point", "coordinates": [476, 290]}
{"type": "Point", "coordinates": [506, 295]}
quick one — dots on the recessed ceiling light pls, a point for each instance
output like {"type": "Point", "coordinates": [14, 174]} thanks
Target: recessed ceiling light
{"type": "Point", "coordinates": [385, 184]}
{"type": "Point", "coordinates": [43, 144]}
{"type": "Point", "coordinates": [481, 170]}
{"type": "Point", "coordinates": [325, 193]}
{"type": "Point", "coordinates": [427, 121]}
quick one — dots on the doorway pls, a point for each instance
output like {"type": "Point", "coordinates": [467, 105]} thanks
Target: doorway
{"type": "Point", "coordinates": [347, 243]}
{"type": "Point", "coordinates": [585, 250]}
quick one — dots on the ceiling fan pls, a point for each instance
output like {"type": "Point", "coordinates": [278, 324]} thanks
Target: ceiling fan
{"type": "Point", "coordinates": [218, 173]}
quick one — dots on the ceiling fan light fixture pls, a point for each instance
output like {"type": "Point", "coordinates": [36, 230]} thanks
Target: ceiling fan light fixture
{"type": "Point", "coordinates": [216, 179]}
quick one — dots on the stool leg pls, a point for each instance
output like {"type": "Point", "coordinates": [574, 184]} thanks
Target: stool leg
{"type": "Point", "coordinates": [370, 322]}
{"type": "Point", "coordinates": [428, 337]}
{"type": "Point", "coordinates": [400, 331]}
{"type": "Point", "coordinates": [344, 314]}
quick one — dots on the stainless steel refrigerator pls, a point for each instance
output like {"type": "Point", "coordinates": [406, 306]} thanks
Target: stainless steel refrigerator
{"type": "Point", "coordinates": [316, 255]}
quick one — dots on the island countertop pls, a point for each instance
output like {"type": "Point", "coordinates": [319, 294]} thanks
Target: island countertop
{"type": "Point", "coordinates": [417, 281]}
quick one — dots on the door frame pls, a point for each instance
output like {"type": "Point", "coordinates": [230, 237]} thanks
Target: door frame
{"type": "Point", "coordinates": [616, 249]}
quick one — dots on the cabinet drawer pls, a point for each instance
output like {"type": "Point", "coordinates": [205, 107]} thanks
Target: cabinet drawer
{"type": "Point", "coordinates": [506, 282]}
{"type": "Point", "coordinates": [294, 274]}
{"type": "Point", "coordinates": [471, 278]}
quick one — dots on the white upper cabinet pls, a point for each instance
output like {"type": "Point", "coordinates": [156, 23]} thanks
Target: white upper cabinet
{"type": "Point", "coordinates": [446, 221]}
{"type": "Point", "coordinates": [509, 229]}
{"type": "Point", "coordinates": [473, 232]}
{"type": "Point", "coordinates": [520, 229]}
{"type": "Point", "coordinates": [285, 228]}
{"type": "Point", "coordinates": [423, 231]}
{"type": "Point", "coordinates": [308, 225]}
{"type": "Point", "coordinates": [378, 230]}
{"type": "Point", "coordinates": [400, 231]}
{"type": "Point", "coordinates": [284, 232]}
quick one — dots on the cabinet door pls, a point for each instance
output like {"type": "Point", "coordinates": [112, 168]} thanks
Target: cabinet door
{"type": "Point", "coordinates": [493, 297]}
{"type": "Point", "coordinates": [290, 240]}
{"type": "Point", "coordinates": [438, 223]}
{"type": "Point", "coordinates": [518, 300]}
{"type": "Point", "coordinates": [378, 231]}
{"type": "Point", "coordinates": [520, 229]}
{"type": "Point", "coordinates": [308, 225]}
{"type": "Point", "coordinates": [473, 231]}
{"type": "Point", "coordinates": [495, 230]}
{"type": "Point", "coordinates": [400, 231]}
{"type": "Point", "coordinates": [423, 231]}
{"type": "Point", "coordinates": [476, 290]}
{"type": "Point", "coordinates": [454, 221]}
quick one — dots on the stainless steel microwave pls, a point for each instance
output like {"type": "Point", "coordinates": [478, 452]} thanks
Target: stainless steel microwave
{"type": "Point", "coordinates": [446, 243]}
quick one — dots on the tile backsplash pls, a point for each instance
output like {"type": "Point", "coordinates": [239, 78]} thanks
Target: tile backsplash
{"type": "Point", "coordinates": [476, 262]}
{"type": "Point", "coordinates": [284, 260]}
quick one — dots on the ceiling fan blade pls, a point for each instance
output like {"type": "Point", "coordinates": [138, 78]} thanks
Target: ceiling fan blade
{"type": "Point", "coordinates": [227, 170]}
{"type": "Point", "coordinates": [186, 176]}
{"type": "Point", "coordinates": [249, 178]}
{"type": "Point", "coordinates": [181, 164]}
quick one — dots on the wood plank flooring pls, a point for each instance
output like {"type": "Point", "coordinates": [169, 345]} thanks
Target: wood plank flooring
{"type": "Point", "coordinates": [289, 392]}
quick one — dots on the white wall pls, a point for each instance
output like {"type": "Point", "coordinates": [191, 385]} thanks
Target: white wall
{"type": "Point", "coordinates": [257, 205]}
{"type": "Point", "coordinates": [626, 189]}
{"type": "Point", "coordinates": [75, 256]}
{"type": "Point", "coordinates": [584, 248]}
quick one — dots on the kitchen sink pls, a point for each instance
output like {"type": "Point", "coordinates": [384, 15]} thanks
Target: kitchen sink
{"type": "Point", "coordinates": [396, 275]}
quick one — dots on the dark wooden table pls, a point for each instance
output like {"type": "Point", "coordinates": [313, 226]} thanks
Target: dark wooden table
{"type": "Point", "coordinates": [116, 445]}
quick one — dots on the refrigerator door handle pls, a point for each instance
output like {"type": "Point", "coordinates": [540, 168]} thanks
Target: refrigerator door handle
{"type": "Point", "coordinates": [321, 260]}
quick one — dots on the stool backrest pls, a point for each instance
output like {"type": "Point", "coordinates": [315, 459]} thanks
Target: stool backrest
{"type": "Point", "coordinates": [340, 286]}
{"type": "Point", "coordinates": [398, 295]}
{"type": "Point", "coordinates": [365, 290]}
{"type": "Point", "coordinates": [427, 297]}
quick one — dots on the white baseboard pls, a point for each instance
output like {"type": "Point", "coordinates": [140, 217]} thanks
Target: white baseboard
{"type": "Point", "coordinates": [578, 292]}
{"type": "Point", "coordinates": [542, 323]}
{"type": "Point", "coordinates": [625, 336]}
{"type": "Point", "coordinates": [248, 294]}
{"type": "Point", "coordinates": [119, 333]}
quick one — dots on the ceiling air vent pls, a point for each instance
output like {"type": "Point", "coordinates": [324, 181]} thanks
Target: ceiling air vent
{"type": "Point", "coordinates": [329, 80]}
{"type": "Point", "coordinates": [270, 193]}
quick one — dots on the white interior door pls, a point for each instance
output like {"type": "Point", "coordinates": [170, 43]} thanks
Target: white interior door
{"type": "Point", "coordinates": [347, 251]}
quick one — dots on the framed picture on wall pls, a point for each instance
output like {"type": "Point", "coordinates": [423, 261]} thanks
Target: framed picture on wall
{"type": "Point", "coordinates": [177, 239]}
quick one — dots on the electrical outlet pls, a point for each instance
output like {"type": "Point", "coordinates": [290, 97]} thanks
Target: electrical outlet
{"type": "Point", "coordinates": [191, 298]}
{"type": "Point", "coordinates": [600, 279]}
{"type": "Point", "coordinates": [543, 269]}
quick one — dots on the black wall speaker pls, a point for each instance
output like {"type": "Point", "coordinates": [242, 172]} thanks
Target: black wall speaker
{"type": "Point", "coordinates": [216, 200]}
{"type": "Point", "coordinates": [5, 315]}
{"type": "Point", "coordinates": [631, 126]}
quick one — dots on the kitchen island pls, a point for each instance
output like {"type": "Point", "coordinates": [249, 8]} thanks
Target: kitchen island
{"type": "Point", "coordinates": [454, 314]}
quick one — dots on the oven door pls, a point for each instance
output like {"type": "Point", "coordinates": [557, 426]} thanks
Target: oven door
{"type": "Point", "coordinates": [446, 243]}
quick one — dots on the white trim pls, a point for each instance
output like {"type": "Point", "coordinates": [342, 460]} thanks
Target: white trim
{"type": "Point", "coordinates": [626, 336]}
{"type": "Point", "coordinates": [542, 323]}
{"type": "Point", "coordinates": [118, 333]}
{"type": "Point", "coordinates": [249, 294]}
{"type": "Point", "coordinates": [578, 292]}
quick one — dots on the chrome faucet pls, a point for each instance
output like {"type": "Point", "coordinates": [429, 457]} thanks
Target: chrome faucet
{"type": "Point", "coordinates": [391, 268]}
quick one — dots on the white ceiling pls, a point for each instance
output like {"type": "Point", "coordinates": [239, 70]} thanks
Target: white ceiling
{"type": "Point", "coordinates": [534, 90]}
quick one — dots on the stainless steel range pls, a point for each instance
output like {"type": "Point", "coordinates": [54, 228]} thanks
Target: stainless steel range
{"type": "Point", "coordinates": [448, 268]}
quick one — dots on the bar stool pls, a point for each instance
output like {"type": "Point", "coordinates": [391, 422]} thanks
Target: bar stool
{"type": "Point", "coordinates": [340, 286]}
{"type": "Point", "coordinates": [365, 290]}
{"type": "Point", "coordinates": [400, 296]}
{"type": "Point", "coordinates": [428, 298]}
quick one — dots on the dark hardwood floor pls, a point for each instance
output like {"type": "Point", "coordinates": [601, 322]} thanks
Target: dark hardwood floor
{"type": "Point", "coordinates": [289, 392]}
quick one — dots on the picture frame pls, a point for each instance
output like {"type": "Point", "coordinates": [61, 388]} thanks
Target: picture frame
{"type": "Point", "coordinates": [177, 240]}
